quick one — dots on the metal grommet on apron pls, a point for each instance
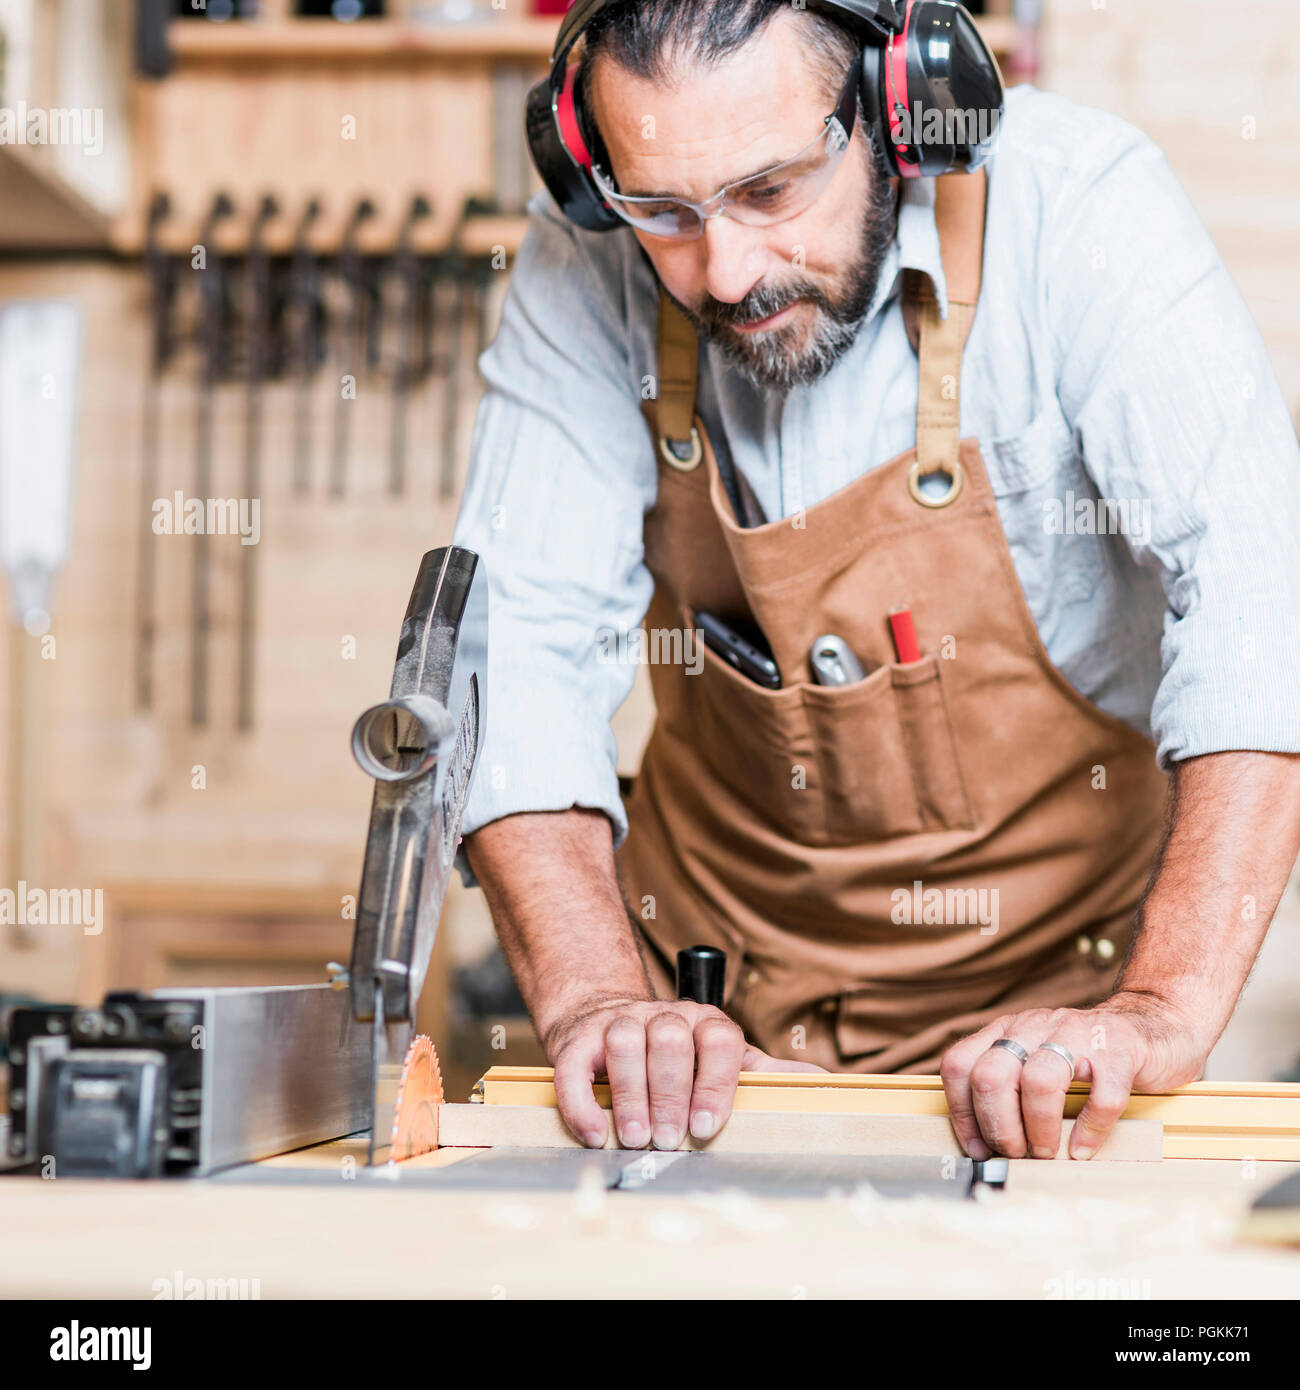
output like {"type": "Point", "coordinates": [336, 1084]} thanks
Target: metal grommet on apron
{"type": "Point", "coordinates": [682, 454]}
{"type": "Point", "coordinates": [956, 481]}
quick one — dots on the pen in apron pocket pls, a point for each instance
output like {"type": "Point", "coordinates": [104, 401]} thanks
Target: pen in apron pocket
{"type": "Point", "coordinates": [904, 630]}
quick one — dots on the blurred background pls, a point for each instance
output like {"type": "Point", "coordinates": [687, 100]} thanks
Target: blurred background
{"type": "Point", "coordinates": [211, 215]}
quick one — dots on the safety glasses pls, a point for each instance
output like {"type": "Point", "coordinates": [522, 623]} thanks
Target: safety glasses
{"type": "Point", "coordinates": [776, 195]}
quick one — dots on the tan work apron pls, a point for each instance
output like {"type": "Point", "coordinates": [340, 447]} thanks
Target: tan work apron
{"type": "Point", "coordinates": [887, 864]}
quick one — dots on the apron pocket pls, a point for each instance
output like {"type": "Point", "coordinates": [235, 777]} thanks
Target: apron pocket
{"type": "Point", "coordinates": [756, 743]}
{"type": "Point", "coordinates": [931, 745]}
{"type": "Point", "coordinates": [886, 756]}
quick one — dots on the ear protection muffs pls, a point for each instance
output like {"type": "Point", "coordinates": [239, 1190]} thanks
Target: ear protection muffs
{"type": "Point", "coordinates": [931, 97]}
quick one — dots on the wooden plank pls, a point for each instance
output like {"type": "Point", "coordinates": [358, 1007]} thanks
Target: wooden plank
{"type": "Point", "coordinates": [1195, 1114]}
{"type": "Point", "coordinates": [307, 39]}
{"type": "Point", "coordinates": [1271, 1148]}
{"type": "Point", "coordinates": [532, 1126]}
{"type": "Point", "coordinates": [1226, 1120]}
{"type": "Point", "coordinates": [1194, 1109]}
{"type": "Point", "coordinates": [299, 39]}
{"type": "Point", "coordinates": [903, 1081]}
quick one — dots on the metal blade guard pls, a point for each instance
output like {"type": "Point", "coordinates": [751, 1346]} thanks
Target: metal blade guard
{"type": "Point", "coordinates": [421, 746]}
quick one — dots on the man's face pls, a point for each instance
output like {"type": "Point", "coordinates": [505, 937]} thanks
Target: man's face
{"type": "Point", "coordinates": [783, 301]}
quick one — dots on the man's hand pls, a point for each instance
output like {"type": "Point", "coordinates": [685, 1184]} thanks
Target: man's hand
{"type": "Point", "coordinates": [1234, 830]}
{"type": "Point", "coordinates": [550, 882]}
{"type": "Point", "coordinates": [670, 1066]}
{"type": "Point", "coordinates": [1128, 1042]}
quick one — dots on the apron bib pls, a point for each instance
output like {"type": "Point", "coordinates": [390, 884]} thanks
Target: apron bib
{"type": "Point", "coordinates": [892, 863]}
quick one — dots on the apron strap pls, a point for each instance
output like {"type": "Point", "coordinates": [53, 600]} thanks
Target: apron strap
{"type": "Point", "coordinates": [679, 366]}
{"type": "Point", "coordinates": [959, 201]}
{"type": "Point", "coordinates": [959, 216]}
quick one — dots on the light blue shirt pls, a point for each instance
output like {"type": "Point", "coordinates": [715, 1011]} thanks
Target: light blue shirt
{"type": "Point", "coordinates": [1111, 356]}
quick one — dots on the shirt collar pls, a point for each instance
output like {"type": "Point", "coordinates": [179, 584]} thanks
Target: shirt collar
{"type": "Point", "coordinates": [915, 245]}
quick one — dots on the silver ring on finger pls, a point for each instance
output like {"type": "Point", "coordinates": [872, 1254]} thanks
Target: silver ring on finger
{"type": "Point", "coordinates": [1014, 1048]}
{"type": "Point", "coordinates": [1061, 1051]}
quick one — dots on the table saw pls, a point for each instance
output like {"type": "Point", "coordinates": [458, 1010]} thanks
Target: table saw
{"type": "Point", "coordinates": [277, 1121]}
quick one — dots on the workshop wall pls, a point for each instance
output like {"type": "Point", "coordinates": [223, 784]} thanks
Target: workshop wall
{"type": "Point", "coordinates": [1216, 90]}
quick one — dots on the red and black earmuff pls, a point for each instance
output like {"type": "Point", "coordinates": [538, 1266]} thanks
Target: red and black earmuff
{"type": "Point", "coordinates": [931, 97]}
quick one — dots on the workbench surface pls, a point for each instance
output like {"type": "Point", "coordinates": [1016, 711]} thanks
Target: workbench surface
{"type": "Point", "coordinates": [1150, 1230]}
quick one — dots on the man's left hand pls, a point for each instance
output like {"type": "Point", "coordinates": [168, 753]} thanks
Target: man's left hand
{"type": "Point", "coordinates": [1129, 1042]}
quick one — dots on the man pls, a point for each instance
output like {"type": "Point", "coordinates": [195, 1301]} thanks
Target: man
{"type": "Point", "coordinates": [1084, 496]}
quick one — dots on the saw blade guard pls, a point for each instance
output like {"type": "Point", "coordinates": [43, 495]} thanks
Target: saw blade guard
{"type": "Point", "coordinates": [421, 746]}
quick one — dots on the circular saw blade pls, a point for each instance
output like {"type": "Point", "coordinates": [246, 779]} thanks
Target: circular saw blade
{"type": "Point", "coordinates": [419, 1094]}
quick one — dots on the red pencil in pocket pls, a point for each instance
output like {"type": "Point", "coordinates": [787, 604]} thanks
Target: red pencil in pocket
{"type": "Point", "coordinates": [904, 630]}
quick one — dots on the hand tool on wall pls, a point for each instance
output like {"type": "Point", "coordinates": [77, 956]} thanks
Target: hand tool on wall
{"type": "Point", "coordinates": [152, 53]}
{"type": "Point", "coordinates": [257, 312]}
{"type": "Point", "coordinates": [124, 1091]}
{"type": "Point", "coordinates": [470, 276]}
{"type": "Point", "coordinates": [352, 326]}
{"type": "Point", "coordinates": [307, 330]}
{"type": "Point", "coordinates": [40, 368]}
{"type": "Point", "coordinates": [430, 267]}
{"type": "Point", "coordinates": [212, 359]}
{"type": "Point", "coordinates": [160, 270]}
{"type": "Point", "coordinates": [410, 276]}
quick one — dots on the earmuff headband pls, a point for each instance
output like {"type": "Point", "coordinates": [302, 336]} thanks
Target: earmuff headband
{"type": "Point", "coordinates": [903, 65]}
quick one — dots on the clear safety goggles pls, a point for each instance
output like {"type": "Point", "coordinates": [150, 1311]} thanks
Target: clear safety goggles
{"type": "Point", "coordinates": [776, 195]}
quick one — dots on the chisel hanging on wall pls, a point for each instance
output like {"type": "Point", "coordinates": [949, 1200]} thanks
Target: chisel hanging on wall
{"type": "Point", "coordinates": [160, 271]}
{"type": "Point", "coordinates": [212, 315]}
{"type": "Point", "coordinates": [257, 312]}
{"type": "Point", "coordinates": [410, 276]}
{"type": "Point", "coordinates": [306, 326]}
{"type": "Point", "coordinates": [350, 335]}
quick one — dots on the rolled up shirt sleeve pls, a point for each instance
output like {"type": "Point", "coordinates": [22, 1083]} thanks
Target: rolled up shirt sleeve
{"type": "Point", "coordinates": [561, 474]}
{"type": "Point", "coordinates": [1168, 387]}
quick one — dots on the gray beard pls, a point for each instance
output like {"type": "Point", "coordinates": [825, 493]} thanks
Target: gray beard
{"type": "Point", "coordinates": [771, 360]}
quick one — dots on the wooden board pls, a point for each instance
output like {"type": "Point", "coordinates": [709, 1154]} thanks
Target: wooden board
{"type": "Point", "coordinates": [1206, 1119]}
{"type": "Point", "coordinates": [496, 1077]}
{"type": "Point", "coordinates": [538, 1126]}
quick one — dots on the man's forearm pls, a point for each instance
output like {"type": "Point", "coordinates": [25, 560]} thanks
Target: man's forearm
{"type": "Point", "coordinates": [1233, 840]}
{"type": "Point", "coordinates": [550, 884]}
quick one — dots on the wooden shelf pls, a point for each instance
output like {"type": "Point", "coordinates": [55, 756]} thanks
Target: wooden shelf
{"type": "Point", "coordinates": [390, 40]}
{"type": "Point", "coordinates": [394, 40]}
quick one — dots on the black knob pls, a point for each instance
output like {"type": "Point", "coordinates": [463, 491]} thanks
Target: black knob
{"type": "Point", "coordinates": [701, 973]}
